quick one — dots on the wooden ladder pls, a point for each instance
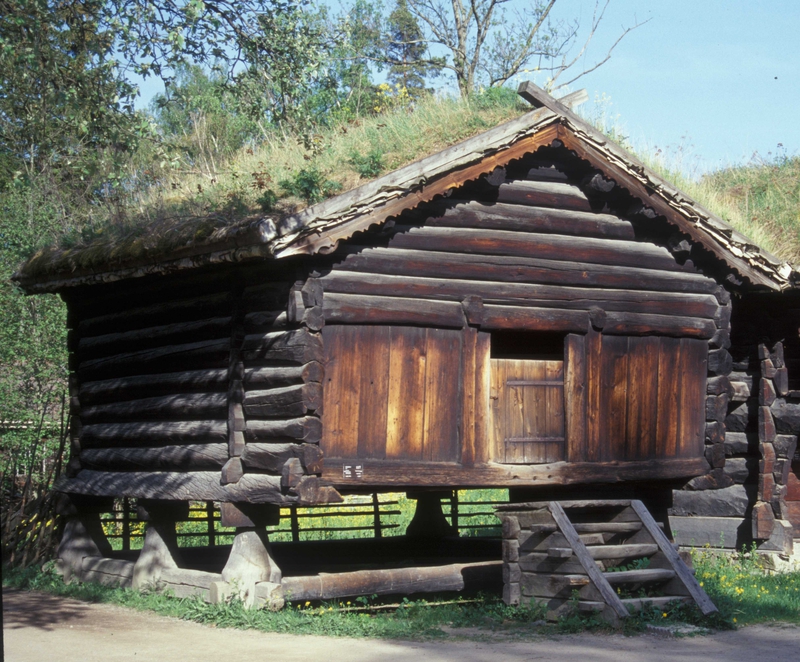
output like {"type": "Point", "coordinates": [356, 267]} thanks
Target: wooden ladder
{"type": "Point", "coordinates": [604, 550]}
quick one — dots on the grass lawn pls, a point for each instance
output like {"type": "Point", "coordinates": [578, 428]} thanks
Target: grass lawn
{"type": "Point", "coordinates": [743, 590]}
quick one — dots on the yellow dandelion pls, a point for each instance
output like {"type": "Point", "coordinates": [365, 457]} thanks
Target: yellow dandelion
{"type": "Point", "coordinates": [664, 615]}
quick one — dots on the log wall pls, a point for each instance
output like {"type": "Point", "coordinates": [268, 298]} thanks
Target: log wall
{"type": "Point", "coordinates": [202, 387]}
{"type": "Point", "coordinates": [534, 249]}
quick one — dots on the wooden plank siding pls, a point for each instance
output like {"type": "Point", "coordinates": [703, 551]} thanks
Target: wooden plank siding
{"type": "Point", "coordinates": [392, 393]}
{"type": "Point", "coordinates": [645, 397]}
{"type": "Point", "coordinates": [528, 411]}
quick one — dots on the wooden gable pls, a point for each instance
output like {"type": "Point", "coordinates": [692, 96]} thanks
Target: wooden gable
{"type": "Point", "coordinates": [544, 246]}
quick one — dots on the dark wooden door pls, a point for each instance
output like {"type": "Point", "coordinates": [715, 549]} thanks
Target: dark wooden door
{"type": "Point", "coordinates": [528, 410]}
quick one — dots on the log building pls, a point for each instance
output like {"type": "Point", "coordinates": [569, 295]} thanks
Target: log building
{"type": "Point", "coordinates": [532, 308]}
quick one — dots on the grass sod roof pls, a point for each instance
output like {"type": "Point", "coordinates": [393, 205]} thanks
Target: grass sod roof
{"type": "Point", "coordinates": [176, 244]}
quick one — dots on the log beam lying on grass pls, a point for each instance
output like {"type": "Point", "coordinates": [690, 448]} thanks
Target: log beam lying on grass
{"type": "Point", "coordinates": [453, 577]}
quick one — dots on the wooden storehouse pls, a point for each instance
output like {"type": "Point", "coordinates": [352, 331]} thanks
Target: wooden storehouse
{"type": "Point", "coordinates": [532, 308]}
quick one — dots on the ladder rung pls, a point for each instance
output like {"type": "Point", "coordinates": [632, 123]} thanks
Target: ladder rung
{"type": "Point", "coordinates": [622, 551]}
{"type": "Point", "coordinates": [607, 527]}
{"type": "Point", "coordinates": [647, 575]}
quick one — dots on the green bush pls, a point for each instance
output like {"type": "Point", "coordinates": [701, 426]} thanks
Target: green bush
{"type": "Point", "coordinates": [311, 185]}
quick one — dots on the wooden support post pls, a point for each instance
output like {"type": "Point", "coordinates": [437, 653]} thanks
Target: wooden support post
{"type": "Point", "coordinates": [250, 563]}
{"type": "Point", "coordinates": [429, 520]}
{"type": "Point", "coordinates": [83, 536]}
{"type": "Point", "coordinates": [454, 511]}
{"type": "Point", "coordinates": [160, 550]}
{"type": "Point", "coordinates": [83, 532]}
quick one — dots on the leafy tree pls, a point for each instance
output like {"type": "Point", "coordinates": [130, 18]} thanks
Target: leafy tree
{"type": "Point", "coordinates": [203, 118]}
{"type": "Point", "coordinates": [406, 51]}
{"type": "Point", "coordinates": [61, 93]}
{"type": "Point", "coordinates": [345, 89]}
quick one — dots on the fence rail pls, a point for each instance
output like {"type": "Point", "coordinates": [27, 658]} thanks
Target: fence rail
{"type": "Point", "coordinates": [204, 520]}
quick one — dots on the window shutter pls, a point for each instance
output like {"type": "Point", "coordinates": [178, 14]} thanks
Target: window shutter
{"type": "Point", "coordinates": [528, 410]}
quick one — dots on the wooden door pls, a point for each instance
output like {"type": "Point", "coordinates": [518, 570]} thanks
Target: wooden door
{"type": "Point", "coordinates": [528, 410]}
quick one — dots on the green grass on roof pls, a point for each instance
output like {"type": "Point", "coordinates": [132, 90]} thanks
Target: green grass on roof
{"type": "Point", "coordinates": [284, 174]}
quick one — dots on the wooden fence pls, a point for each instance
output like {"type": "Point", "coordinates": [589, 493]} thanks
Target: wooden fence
{"type": "Point", "coordinates": [363, 517]}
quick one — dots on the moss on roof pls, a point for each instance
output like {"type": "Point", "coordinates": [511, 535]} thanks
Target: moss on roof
{"type": "Point", "coordinates": [191, 212]}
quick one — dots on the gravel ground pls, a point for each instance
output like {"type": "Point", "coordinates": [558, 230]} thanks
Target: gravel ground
{"type": "Point", "coordinates": [44, 628]}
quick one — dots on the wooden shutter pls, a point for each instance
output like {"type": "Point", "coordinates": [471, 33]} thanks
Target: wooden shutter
{"type": "Point", "coordinates": [528, 411]}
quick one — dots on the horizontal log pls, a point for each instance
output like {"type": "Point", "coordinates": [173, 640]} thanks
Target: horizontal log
{"type": "Point", "coordinates": [266, 295]}
{"type": "Point", "coordinates": [719, 385]}
{"type": "Point", "coordinates": [542, 563]}
{"type": "Point", "coordinates": [622, 551]}
{"type": "Point", "coordinates": [164, 312]}
{"type": "Point", "coordinates": [109, 297]}
{"type": "Point", "coordinates": [106, 572]}
{"type": "Point", "coordinates": [169, 407]}
{"type": "Point", "coordinates": [562, 248]}
{"type": "Point", "coordinates": [500, 216]}
{"type": "Point", "coordinates": [551, 585]}
{"type": "Point", "coordinates": [741, 443]}
{"type": "Point", "coordinates": [546, 171]}
{"type": "Point", "coordinates": [619, 323]}
{"type": "Point", "coordinates": [534, 319]}
{"type": "Point", "coordinates": [288, 347]}
{"type": "Point", "coordinates": [361, 309]}
{"type": "Point", "coordinates": [205, 354]}
{"type": "Point", "coordinates": [153, 336]}
{"type": "Point", "coordinates": [403, 581]}
{"type": "Point", "coordinates": [272, 457]}
{"type": "Point", "coordinates": [308, 429]}
{"type": "Point", "coordinates": [189, 457]}
{"type": "Point", "coordinates": [717, 532]}
{"type": "Point", "coordinates": [187, 583]}
{"type": "Point", "coordinates": [191, 486]}
{"type": "Point", "coordinates": [543, 194]}
{"type": "Point", "coordinates": [741, 391]}
{"type": "Point", "coordinates": [265, 319]}
{"type": "Point", "coordinates": [502, 268]}
{"type": "Point", "coordinates": [126, 388]}
{"type": "Point", "coordinates": [153, 434]}
{"type": "Point", "coordinates": [645, 576]}
{"type": "Point", "coordinates": [396, 473]}
{"type": "Point", "coordinates": [275, 376]}
{"type": "Point", "coordinates": [284, 402]}
{"type": "Point", "coordinates": [543, 296]}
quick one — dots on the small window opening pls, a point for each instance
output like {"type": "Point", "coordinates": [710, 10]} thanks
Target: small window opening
{"type": "Point", "coordinates": [546, 346]}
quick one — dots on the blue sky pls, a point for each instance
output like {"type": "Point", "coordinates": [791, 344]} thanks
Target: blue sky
{"type": "Point", "coordinates": [709, 82]}
{"type": "Point", "coordinates": [715, 80]}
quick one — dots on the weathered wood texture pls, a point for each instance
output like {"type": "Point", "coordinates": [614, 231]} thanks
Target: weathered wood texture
{"type": "Point", "coordinates": [196, 486]}
{"type": "Point", "coordinates": [453, 577]}
{"type": "Point", "coordinates": [527, 411]}
{"type": "Point", "coordinates": [645, 398]}
{"type": "Point", "coordinates": [391, 393]}
{"type": "Point", "coordinates": [174, 381]}
{"type": "Point", "coordinates": [397, 473]}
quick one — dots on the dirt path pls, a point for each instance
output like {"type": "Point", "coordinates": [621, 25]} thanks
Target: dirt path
{"type": "Point", "coordinates": [44, 628]}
